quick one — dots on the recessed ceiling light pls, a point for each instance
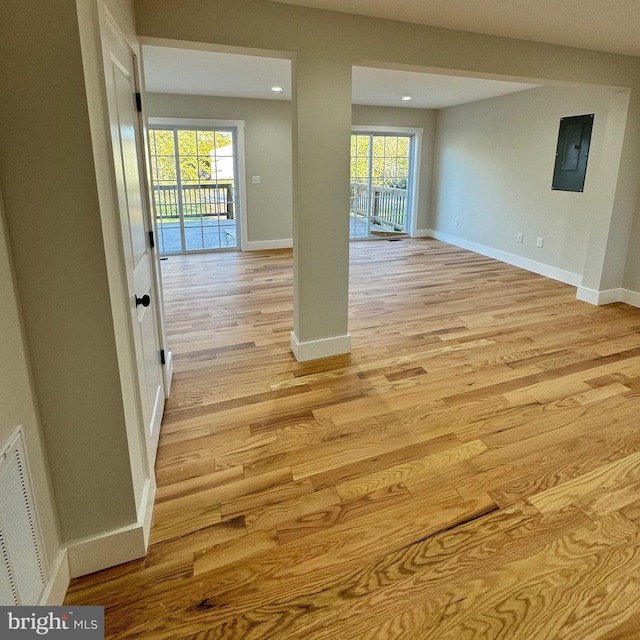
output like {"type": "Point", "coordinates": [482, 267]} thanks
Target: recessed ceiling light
{"type": "Point", "coordinates": [406, 97]}
{"type": "Point", "coordinates": [277, 89]}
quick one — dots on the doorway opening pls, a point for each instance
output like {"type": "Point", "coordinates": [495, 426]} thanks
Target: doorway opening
{"type": "Point", "coordinates": [382, 184]}
{"type": "Point", "coordinates": [195, 185]}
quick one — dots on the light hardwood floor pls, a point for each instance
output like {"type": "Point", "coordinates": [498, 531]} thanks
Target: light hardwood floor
{"type": "Point", "coordinates": [470, 470]}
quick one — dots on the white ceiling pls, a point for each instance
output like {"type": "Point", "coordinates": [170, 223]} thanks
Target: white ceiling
{"type": "Point", "coordinates": [385, 88]}
{"type": "Point", "coordinates": [196, 72]}
{"type": "Point", "coordinates": [209, 73]}
{"type": "Point", "coordinates": [604, 25]}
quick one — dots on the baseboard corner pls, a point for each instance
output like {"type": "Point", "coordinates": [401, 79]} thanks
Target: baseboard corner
{"type": "Point", "coordinates": [599, 298]}
{"type": "Point", "coordinates": [316, 349]}
{"type": "Point", "coordinates": [59, 578]}
{"type": "Point", "coordinates": [630, 297]}
{"type": "Point", "coordinates": [109, 549]}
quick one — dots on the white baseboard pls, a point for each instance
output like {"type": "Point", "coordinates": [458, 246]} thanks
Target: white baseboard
{"type": "Point", "coordinates": [265, 245]}
{"type": "Point", "coordinates": [149, 501]}
{"type": "Point", "coordinates": [56, 588]}
{"type": "Point", "coordinates": [88, 555]}
{"type": "Point", "coordinates": [114, 547]}
{"type": "Point", "coordinates": [106, 550]}
{"type": "Point", "coordinates": [588, 295]}
{"type": "Point", "coordinates": [574, 279]}
{"type": "Point", "coordinates": [630, 297]}
{"type": "Point", "coordinates": [315, 349]}
{"type": "Point", "coordinates": [599, 297]}
{"type": "Point", "coordinates": [585, 294]}
{"type": "Point", "coordinates": [608, 296]}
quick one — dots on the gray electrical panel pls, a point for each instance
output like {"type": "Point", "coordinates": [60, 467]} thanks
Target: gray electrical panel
{"type": "Point", "coordinates": [572, 153]}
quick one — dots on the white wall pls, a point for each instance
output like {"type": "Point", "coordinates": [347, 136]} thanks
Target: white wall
{"type": "Point", "coordinates": [487, 163]}
{"type": "Point", "coordinates": [311, 34]}
{"type": "Point", "coordinates": [17, 401]}
{"type": "Point", "coordinates": [268, 151]}
{"type": "Point", "coordinates": [632, 272]}
{"type": "Point", "coordinates": [57, 246]}
{"type": "Point", "coordinates": [493, 169]}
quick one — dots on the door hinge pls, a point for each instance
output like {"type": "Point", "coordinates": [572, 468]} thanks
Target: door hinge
{"type": "Point", "coordinates": [152, 240]}
{"type": "Point", "coordinates": [162, 358]}
{"type": "Point", "coordinates": [138, 101]}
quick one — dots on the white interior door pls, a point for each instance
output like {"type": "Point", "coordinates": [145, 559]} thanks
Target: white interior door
{"type": "Point", "coordinates": [126, 139]}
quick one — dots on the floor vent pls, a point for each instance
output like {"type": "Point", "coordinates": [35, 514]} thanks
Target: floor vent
{"type": "Point", "coordinates": [22, 570]}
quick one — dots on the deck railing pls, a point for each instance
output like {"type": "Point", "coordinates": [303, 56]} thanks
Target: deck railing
{"type": "Point", "coordinates": [388, 206]}
{"type": "Point", "coordinates": [197, 200]}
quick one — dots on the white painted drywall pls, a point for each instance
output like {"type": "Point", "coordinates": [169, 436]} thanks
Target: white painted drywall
{"type": "Point", "coordinates": [324, 36]}
{"type": "Point", "coordinates": [267, 137]}
{"type": "Point", "coordinates": [494, 163]}
{"type": "Point", "coordinates": [57, 245]}
{"type": "Point", "coordinates": [17, 401]}
{"type": "Point", "coordinates": [268, 150]}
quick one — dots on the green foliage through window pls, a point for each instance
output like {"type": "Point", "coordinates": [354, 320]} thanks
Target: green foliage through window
{"type": "Point", "coordinates": [199, 151]}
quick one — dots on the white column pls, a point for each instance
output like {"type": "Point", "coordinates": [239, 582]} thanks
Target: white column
{"type": "Point", "coordinates": [321, 143]}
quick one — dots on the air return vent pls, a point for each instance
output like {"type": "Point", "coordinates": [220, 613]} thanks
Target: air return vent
{"type": "Point", "coordinates": [22, 570]}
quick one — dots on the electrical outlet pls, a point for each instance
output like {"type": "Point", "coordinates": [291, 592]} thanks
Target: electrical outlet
{"type": "Point", "coordinates": [255, 179]}
{"type": "Point", "coordinates": [540, 243]}
{"type": "Point", "coordinates": [456, 222]}
{"type": "Point", "coordinates": [520, 237]}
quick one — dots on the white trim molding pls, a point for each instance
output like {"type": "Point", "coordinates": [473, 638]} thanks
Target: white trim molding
{"type": "Point", "coordinates": [56, 588]}
{"type": "Point", "coordinates": [415, 134]}
{"type": "Point", "coordinates": [324, 348]}
{"type": "Point", "coordinates": [203, 123]}
{"type": "Point", "coordinates": [265, 245]}
{"type": "Point", "coordinates": [381, 129]}
{"type": "Point", "coordinates": [598, 297]}
{"type": "Point", "coordinates": [574, 279]}
{"type": "Point", "coordinates": [148, 501]}
{"type": "Point", "coordinates": [212, 123]}
{"type": "Point", "coordinates": [630, 297]}
{"type": "Point", "coordinates": [608, 296]}
{"type": "Point", "coordinates": [585, 294]}
{"type": "Point", "coordinates": [588, 295]}
{"type": "Point", "coordinates": [168, 373]}
{"type": "Point", "coordinates": [110, 548]}
{"type": "Point", "coordinates": [107, 550]}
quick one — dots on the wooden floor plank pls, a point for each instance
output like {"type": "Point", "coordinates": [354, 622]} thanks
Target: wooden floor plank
{"type": "Point", "coordinates": [535, 610]}
{"type": "Point", "coordinates": [561, 564]}
{"type": "Point", "coordinates": [443, 565]}
{"type": "Point", "coordinates": [599, 480]}
{"type": "Point", "coordinates": [412, 469]}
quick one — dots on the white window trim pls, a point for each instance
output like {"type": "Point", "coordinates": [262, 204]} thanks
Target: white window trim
{"type": "Point", "coordinates": [416, 142]}
{"type": "Point", "coordinates": [238, 126]}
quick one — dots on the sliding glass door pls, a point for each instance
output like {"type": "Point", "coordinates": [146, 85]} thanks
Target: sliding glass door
{"type": "Point", "coordinates": [194, 174]}
{"type": "Point", "coordinates": [380, 184]}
